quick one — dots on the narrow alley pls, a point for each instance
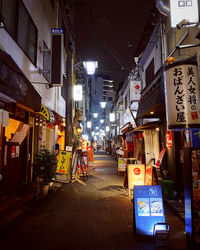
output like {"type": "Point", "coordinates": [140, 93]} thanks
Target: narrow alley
{"type": "Point", "coordinates": [97, 214]}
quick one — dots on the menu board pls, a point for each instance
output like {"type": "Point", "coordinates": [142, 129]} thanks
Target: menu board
{"type": "Point", "coordinates": [149, 209]}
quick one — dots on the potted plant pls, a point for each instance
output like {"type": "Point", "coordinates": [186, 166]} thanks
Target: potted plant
{"type": "Point", "coordinates": [44, 167]}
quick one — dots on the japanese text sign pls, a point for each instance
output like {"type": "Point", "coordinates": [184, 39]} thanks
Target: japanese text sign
{"type": "Point", "coordinates": [182, 95]}
{"type": "Point", "coordinates": [63, 162]}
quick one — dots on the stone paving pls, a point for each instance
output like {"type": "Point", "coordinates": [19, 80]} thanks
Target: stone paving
{"type": "Point", "coordinates": [98, 215]}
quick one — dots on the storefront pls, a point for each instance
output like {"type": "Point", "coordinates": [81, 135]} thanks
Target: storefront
{"type": "Point", "coordinates": [18, 103]}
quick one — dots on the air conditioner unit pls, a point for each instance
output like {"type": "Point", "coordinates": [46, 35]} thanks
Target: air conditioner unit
{"type": "Point", "coordinates": [57, 57]}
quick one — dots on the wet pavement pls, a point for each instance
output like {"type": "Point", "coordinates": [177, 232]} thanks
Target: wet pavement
{"type": "Point", "coordinates": [97, 214]}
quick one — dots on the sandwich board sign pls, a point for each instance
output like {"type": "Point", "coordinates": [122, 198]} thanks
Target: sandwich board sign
{"type": "Point", "coordinates": [148, 204]}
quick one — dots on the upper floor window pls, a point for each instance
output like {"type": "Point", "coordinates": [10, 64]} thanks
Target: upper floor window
{"type": "Point", "coordinates": [20, 26]}
{"type": "Point", "coordinates": [149, 73]}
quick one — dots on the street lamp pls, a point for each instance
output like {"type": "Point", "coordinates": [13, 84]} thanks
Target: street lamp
{"type": "Point", "coordinates": [102, 121]}
{"type": "Point", "coordinates": [103, 104]}
{"type": "Point", "coordinates": [90, 66]}
{"type": "Point", "coordinates": [95, 115]}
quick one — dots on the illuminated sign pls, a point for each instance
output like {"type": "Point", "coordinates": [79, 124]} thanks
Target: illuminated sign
{"type": "Point", "coordinates": [136, 175]}
{"type": "Point", "coordinates": [184, 9]}
{"type": "Point", "coordinates": [182, 94]}
{"type": "Point", "coordinates": [169, 139]}
{"type": "Point", "coordinates": [77, 92]}
{"type": "Point", "coordinates": [149, 209]}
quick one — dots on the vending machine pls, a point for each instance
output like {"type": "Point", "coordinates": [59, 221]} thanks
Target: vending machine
{"type": "Point", "coordinates": [192, 196]}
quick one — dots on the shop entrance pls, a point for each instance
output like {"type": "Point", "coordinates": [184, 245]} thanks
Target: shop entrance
{"type": "Point", "coordinates": [15, 164]}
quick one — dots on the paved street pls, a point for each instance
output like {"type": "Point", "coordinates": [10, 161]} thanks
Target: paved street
{"type": "Point", "coordinates": [98, 215]}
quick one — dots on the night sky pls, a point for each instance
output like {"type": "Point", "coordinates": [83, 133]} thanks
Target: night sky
{"type": "Point", "coordinates": [113, 33]}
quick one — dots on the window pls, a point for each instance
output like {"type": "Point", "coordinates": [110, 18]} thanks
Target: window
{"type": "Point", "coordinates": [149, 73]}
{"type": "Point", "coordinates": [20, 26]}
{"type": "Point", "coordinates": [110, 99]}
{"type": "Point", "coordinates": [9, 15]}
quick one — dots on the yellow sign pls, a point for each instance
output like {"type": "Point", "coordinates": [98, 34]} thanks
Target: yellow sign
{"type": "Point", "coordinates": [63, 162]}
{"type": "Point", "coordinates": [44, 111]}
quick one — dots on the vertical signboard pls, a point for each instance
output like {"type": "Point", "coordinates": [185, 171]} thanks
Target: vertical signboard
{"type": "Point", "coordinates": [184, 9]}
{"type": "Point", "coordinates": [62, 170]}
{"type": "Point", "coordinates": [149, 209]}
{"type": "Point", "coordinates": [182, 95]}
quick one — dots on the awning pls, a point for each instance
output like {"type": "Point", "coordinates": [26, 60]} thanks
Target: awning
{"type": "Point", "coordinates": [15, 85]}
{"type": "Point", "coordinates": [125, 128]}
{"type": "Point", "coordinates": [146, 126]}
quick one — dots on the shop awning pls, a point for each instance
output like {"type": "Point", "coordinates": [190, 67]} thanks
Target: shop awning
{"type": "Point", "coordinates": [125, 128]}
{"type": "Point", "coordinates": [146, 126]}
{"type": "Point", "coordinates": [15, 85]}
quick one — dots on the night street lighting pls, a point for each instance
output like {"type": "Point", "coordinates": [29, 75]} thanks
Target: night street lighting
{"type": "Point", "coordinates": [90, 66]}
{"type": "Point", "coordinates": [95, 115]}
{"type": "Point", "coordinates": [103, 104]}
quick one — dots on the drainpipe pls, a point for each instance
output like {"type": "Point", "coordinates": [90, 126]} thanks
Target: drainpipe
{"type": "Point", "coordinates": [69, 102]}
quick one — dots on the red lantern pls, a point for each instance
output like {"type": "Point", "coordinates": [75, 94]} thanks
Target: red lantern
{"type": "Point", "coordinates": [169, 139]}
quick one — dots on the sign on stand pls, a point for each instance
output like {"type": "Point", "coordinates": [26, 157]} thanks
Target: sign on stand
{"type": "Point", "coordinates": [136, 176]}
{"type": "Point", "coordinates": [148, 204]}
{"type": "Point", "coordinates": [62, 171]}
{"type": "Point", "coordinates": [122, 163]}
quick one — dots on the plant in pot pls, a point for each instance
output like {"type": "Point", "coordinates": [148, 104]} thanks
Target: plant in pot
{"type": "Point", "coordinates": [44, 167]}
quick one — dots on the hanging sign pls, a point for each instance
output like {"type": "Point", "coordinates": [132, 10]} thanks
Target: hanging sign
{"type": "Point", "coordinates": [168, 138]}
{"type": "Point", "coordinates": [182, 95]}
